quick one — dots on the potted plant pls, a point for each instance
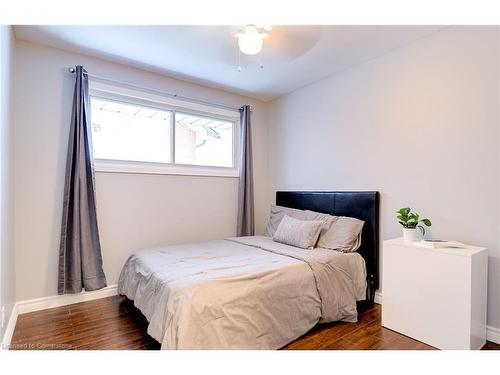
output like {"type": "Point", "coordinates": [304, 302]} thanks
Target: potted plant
{"type": "Point", "coordinates": [410, 222]}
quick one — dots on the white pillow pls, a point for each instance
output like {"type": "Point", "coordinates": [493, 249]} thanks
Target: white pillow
{"type": "Point", "coordinates": [277, 214]}
{"type": "Point", "coordinates": [298, 233]}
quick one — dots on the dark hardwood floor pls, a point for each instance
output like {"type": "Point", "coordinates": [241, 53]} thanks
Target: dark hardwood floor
{"type": "Point", "coordinates": [114, 323]}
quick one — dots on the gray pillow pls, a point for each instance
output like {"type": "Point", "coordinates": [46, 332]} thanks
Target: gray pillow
{"type": "Point", "coordinates": [343, 234]}
{"type": "Point", "coordinates": [325, 218]}
{"type": "Point", "coordinates": [298, 233]}
{"type": "Point", "coordinates": [277, 213]}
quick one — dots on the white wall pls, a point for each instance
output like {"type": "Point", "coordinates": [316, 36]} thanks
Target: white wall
{"type": "Point", "coordinates": [134, 211]}
{"type": "Point", "coordinates": [7, 290]}
{"type": "Point", "coordinates": [420, 125]}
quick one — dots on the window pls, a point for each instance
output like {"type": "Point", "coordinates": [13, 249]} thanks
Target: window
{"type": "Point", "coordinates": [122, 131]}
{"type": "Point", "coordinates": [203, 141]}
{"type": "Point", "coordinates": [131, 135]}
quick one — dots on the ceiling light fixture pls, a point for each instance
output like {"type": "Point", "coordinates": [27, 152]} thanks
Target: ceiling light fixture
{"type": "Point", "coordinates": [251, 40]}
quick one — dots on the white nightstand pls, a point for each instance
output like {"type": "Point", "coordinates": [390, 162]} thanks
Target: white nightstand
{"type": "Point", "coordinates": [437, 296]}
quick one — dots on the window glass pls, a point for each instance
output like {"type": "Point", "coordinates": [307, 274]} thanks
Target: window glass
{"type": "Point", "coordinates": [123, 131]}
{"type": "Point", "coordinates": [203, 141]}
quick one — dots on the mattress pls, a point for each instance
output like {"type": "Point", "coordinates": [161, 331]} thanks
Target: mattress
{"type": "Point", "coordinates": [241, 292]}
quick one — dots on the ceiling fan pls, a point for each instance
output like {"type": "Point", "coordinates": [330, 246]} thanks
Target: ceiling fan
{"type": "Point", "coordinates": [251, 40]}
{"type": "Point", "coordinates": [285, 42]}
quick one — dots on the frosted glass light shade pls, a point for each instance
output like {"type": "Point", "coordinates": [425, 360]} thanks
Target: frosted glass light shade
{"type": "Point", "coordinates": [250, 41]}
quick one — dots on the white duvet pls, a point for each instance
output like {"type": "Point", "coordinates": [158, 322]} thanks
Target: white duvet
{"type": "Point", "coordinates": [240, 293]}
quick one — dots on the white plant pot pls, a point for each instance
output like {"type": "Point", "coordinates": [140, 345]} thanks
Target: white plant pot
{"type": "Point", "coordinates": [409, 235]}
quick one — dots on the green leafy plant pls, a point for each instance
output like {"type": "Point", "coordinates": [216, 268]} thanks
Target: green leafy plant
{"type": "Point", "coordinates": [411, 220]}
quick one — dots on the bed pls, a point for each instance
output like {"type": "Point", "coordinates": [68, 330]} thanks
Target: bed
{"type": "Point", "coordinates": [252, 292]}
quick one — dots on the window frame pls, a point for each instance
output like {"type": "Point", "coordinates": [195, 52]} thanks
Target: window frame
{"type": "Point", "coordinates": [105, 91]}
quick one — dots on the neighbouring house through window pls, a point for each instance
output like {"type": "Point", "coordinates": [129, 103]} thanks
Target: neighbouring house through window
{"type": "Point", "coordinates": [143, 136]}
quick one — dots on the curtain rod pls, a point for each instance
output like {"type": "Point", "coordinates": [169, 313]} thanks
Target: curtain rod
{"type": "Point", "coordinates": [72, 70]}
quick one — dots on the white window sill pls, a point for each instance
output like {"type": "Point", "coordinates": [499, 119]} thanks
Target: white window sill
{"type": "Point", "coordinates": [117, 166]}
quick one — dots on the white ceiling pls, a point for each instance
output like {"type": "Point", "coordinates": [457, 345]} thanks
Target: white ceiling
{"type": "Point", "coordinates": [294, 56]}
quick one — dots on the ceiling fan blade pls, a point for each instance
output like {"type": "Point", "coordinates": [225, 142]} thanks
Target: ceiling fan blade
{"type": "Point", "coordinates": [289, 42]}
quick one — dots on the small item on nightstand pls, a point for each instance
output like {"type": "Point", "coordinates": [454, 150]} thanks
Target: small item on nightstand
{"type": "Point", "coordinates": [410, 222]}
{"type": "Point", "coordinates": [439, 244]}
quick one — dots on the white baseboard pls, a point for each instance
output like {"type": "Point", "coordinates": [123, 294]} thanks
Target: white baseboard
{"type": "Point", "coordinates": [43, 303]}
{"type": "Point", "coordinates": [9, 331]}
{"type": "Point", "coordinates": [378, 298]}
{"type": "Point", "coordinates": [23, 307]}
{"type": "Point", "coordinates": [492, 333]}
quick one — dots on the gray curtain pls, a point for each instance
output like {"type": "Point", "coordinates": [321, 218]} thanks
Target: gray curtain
{"type": "Point", "coordinates": [245, 192]}
{"type": "Point", "coordinates": [80, 261]}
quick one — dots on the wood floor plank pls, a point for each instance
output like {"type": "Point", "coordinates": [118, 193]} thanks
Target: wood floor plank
{"type": "Point", "coordinates": [113, 323]}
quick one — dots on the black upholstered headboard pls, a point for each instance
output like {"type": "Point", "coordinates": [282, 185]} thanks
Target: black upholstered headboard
{"type": "Point", "coordinates": [363, 205]}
